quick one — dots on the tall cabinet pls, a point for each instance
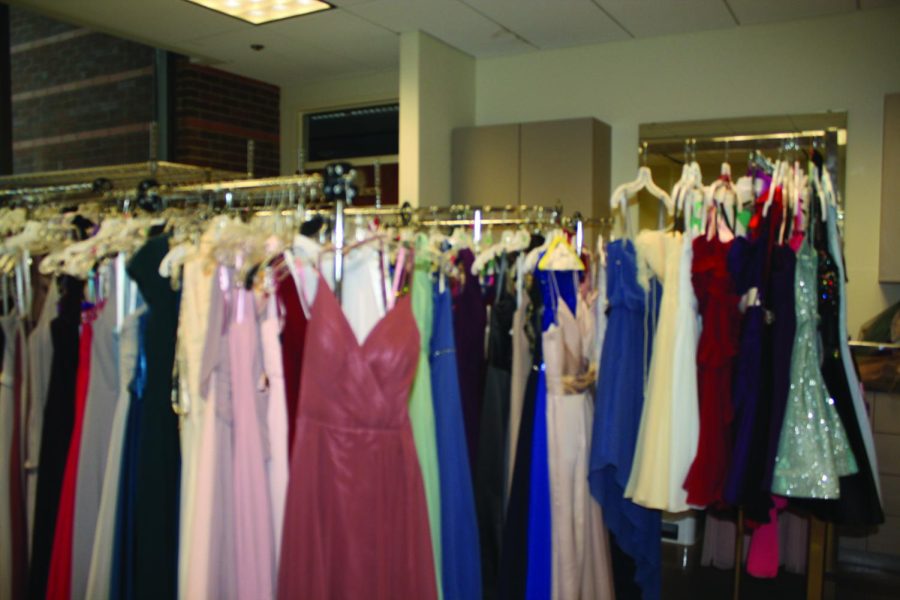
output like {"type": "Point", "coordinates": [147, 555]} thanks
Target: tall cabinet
{"type": "Point", "coordinates": [565, 162]}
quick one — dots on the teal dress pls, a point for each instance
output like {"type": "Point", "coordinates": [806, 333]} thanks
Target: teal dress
{"type": "Point", "coordinates": [421, 407]}
{"type": "Point", "coordinates": [813, 452]}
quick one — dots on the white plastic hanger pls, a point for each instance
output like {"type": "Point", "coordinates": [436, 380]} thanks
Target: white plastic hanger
{"type": "Point", "coordinates": [626, 191]}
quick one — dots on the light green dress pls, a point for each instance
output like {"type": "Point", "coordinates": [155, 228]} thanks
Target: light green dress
{"type": "Point", "coordinates": [421, 408]}
{"type": "Point", "coordinates": [813, 452]}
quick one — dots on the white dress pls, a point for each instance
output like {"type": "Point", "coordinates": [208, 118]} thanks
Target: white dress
{"type": "Point", "coordinates": [659, 254]}
{"type": "Point", "coordinates": [7, 414]}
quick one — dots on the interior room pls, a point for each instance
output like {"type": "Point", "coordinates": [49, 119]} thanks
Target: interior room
{"type": "Point", "coordinates": [450, 299]}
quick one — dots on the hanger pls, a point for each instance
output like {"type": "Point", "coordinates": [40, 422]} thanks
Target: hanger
{"type": "Point", "coordinates": [626, 191]}
{"type": "Point", "coordinates": [560, 256]}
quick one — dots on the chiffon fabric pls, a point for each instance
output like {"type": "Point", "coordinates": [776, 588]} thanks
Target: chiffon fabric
{"type": "Point", "coordinates": [461, 566]}
{"type": "Point", "coordinates": [158, 454]}
{"type": "Point", "coordinates": [655, 464]}
{"type": "Point", "coordinates": [618, 405]}
{"type": "Point", "coordinates": [717, 348]}
{"type": "Point", "coordinates": [59, 581]}
{"type": "Point", "coordinates": [56, 435]}
{"type": "Point", "coordinates": [581, 559]}
{"type": "Point", "coordinates": [421, 404]}
{"type": "Point", "coordinates": [100, 573]}
{"type": "Point", "coordinates": [356, 520]}
{"type": "Point", "coordinates": [100, 408]}
{"type": "Point", "coordinates": [7, 425]}
{"type": "Point", "coordinates": [40, 360]}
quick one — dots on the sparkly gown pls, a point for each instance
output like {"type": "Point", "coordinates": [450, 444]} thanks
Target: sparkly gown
{"type": "Point", "coordinates": [813, 451]}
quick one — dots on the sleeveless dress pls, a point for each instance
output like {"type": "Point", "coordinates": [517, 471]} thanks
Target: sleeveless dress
{"type": "Point", "coordinates": [813, 451]}
{"type": "Point", "coordinates": [617, 414]}
{"type": "Point", "coordinates": [648, 485]}
{"type": "Point", "coordinates": [716, 352]}
{"type": "Point", "coordinates": [356, 520]}
{"type": "Point", "coordinates": [460, 552]}
{"type": "Point", "coordinates": [421, 405]}
{"type": "Point", "coordinates": [581, 559]}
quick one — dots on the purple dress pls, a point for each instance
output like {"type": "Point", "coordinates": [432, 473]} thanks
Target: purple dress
{"type": "Point", "coordinates": [469, 321]}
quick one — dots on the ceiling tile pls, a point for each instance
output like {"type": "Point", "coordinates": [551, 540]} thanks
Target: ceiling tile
{"type": "Point", "coordinates": [344, 34]}
{"type": "Point", "coordinates": [751, 12]}
{"type": "Point", "coordinates": [552, 24]}
{"type": "Point", "coordinates": [868, 4]}
{"type": "Point", "coordinates": [646, 18]}
{"type": "Point", "coordinates": [450, 21]}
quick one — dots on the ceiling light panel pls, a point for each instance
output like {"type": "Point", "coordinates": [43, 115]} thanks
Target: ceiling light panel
{"type": "Point", "coordinates": [263, 11]}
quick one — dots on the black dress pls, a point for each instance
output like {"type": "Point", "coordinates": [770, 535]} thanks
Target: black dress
{"type": "Point", "coordinates": [858, 505]}
{"type": "Point", "coordinates": [59, 418]}
{"type": "Point", "coordinates": [158, 455]}
{"type": "Point", "coordinates": [514, 552]}
{"type": "Point", "coordinates": [490, 474]}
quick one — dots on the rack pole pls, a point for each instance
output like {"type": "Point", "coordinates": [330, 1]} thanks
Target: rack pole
{"type": "Point", "coordinates": [738, 554]}
{"type": "Point", "coordinates": [815, 568]}
{"type": "Point", "coordinates": [250, 157]}
{"type": "Point", "coordinates": [337, 240]}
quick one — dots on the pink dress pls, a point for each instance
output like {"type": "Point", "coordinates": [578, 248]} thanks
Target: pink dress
{"type": "Point", "coordinates": [356, 522]}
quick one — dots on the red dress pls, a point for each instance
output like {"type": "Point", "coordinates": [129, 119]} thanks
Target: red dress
{"type": "Point", "coordinates": [59, 582]}
{"type": "Point", "coordinates": [293, 338]}
{"type": "Point", "coordinates": [356, 522]}
{"type": "Point", "coordinates": [716, 352]}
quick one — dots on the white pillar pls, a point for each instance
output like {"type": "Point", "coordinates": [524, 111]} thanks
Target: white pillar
{"type": "Point", "coordinates": [437, 94]}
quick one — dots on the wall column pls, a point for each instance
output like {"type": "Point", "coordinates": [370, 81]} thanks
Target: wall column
{"type": "Point", "coordinates": [437, 94]}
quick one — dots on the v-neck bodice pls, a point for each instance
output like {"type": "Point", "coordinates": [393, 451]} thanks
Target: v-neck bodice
{"type": "Point", "coordinates": [359, 385]}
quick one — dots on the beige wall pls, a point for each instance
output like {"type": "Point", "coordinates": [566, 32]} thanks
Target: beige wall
{"type": "Point", "coordinates": [324, 95]}
{"type": "Point", "coordinates": [839, 63]}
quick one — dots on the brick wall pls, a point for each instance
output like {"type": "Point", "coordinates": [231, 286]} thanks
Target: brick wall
{"type": "Point", "coordinates": [217, 112]}
{"type": "Point", "coordinates": [80, 98]}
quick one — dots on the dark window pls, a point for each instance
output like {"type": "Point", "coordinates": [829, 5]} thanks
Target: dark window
{"type": "Point", "coordinates": [352, 133]}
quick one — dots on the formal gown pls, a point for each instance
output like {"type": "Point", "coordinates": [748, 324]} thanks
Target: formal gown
{"type": "Point", "coordinates": [356, 520]}
{"type": "Point", "coordinates": [659, 255]}
{"type": "Point", "coordinates": [461, 566]}
{"type": "Point", "coordinates": [469, 325]}
{"type": "Point", "coordinates": [716, 351]}
{"type": "Point", "coordinates": [421, 405]}
{"type": "Point", "coordinates": [618, 405]}
{"type": "Point", "coordinates": [59, 419]}
{"type": "Point", "coordinates": [159, 457]}
{"type": "Point", "coordinates": [813, 451]}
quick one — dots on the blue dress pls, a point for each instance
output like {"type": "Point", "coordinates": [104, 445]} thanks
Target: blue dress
{"type": "Point", "coordinates": [617, 415]}
{"type": "Point", "coordinates": [122, 584]}
{"type": "Point", "coordinates": [556, 286]}
{"type": "Point", "coordinates": [461, 567]}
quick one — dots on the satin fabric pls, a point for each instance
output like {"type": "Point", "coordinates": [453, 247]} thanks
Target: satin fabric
{"type": "Point", "coordinates": [356, 520]}
{"type": "Point", "coordinates": [461, 566]}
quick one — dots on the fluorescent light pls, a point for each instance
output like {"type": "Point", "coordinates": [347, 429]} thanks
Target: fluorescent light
{"type": "Point", "coordinates": [258, 12]}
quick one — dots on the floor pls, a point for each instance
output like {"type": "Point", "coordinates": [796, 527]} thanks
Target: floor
{"type": "Point", "coordinates": [683, 578]}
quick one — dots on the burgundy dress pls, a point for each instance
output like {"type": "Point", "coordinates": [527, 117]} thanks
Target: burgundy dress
{"type": "Point", "coordinates": [293, 338]}
{"type": "Point", "coordinates": [356, 522]}
{"type": "Point", "coordinates": [716, 352]}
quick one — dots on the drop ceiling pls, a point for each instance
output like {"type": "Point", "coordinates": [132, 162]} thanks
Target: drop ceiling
{"type": "Point", "coordinates": [362, 36]}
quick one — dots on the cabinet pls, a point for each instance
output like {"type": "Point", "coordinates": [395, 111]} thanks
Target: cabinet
{"type": "Point", "coordinates": [889, 255]}
{"type": "Point", "coordinates": [565, 162]}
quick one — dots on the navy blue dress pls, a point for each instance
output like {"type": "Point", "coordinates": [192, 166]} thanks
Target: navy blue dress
{"type": "Point", "coordinates": [636, 530]}
{"type": "Point", "coordinates": [461, 567]}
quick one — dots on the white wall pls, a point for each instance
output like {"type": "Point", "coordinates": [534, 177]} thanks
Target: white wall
{"type": "Point", "coordinates": [325, 95]}
{"type": "Point", "coordinates": [839, 63]}
{"type": "Point", "coordinates": [437, 94]}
